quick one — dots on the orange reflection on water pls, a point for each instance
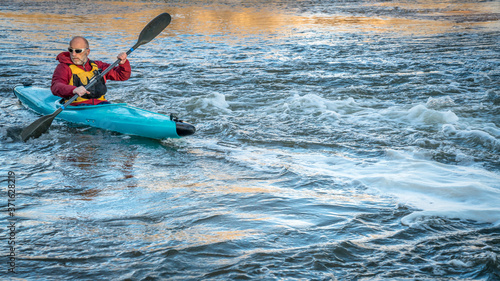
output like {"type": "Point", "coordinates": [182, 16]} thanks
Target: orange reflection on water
{"type": "Point", "coordinates": [404, 26]}
{"type": "Point", "coordinates": [125, 20]}
{"type": "Point", "coordinates": [446, 7]}
{"type": "Point", "coordinates": [199, 235]}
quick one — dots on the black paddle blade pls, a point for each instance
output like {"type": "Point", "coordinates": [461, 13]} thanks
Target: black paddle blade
{"type": "Point", "coordinates": [38, 127]}
{"type": "Point", "coordinates": [153, 28]}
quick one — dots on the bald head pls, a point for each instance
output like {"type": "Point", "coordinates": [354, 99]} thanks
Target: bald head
{"type": "Point", "coordinates": [79, 50]}
{"type": "Point", "coordinates": [79, 40]}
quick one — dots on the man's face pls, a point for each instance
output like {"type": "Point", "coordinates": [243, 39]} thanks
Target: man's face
{"type": "Point", "coordinates": [78, 52]}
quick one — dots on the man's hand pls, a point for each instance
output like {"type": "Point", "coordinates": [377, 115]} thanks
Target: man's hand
{"type": "Point", "coordinates": [80, 91]}
{"type": "Point", "coordinates": [122, 57]}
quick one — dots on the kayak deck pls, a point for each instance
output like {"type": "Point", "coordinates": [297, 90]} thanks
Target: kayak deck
{"type": "Point", "coordinates": [118, 117]}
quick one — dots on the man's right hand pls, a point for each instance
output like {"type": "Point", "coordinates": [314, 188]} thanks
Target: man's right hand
{"type": "Point", "coordinates": [80, 91]}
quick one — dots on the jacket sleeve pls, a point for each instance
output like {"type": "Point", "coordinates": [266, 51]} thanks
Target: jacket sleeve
{"type": "Point", "coordinates": [60, 81]}
{"type": "Point", "coordinates": [119, 73]}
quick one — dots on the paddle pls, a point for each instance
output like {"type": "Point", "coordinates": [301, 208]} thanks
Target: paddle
{"type": "Point", "coordinates": [150, 31]}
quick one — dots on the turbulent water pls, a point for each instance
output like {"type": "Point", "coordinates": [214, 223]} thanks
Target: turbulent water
{"type": "Point", "coordinates": [336, 140]}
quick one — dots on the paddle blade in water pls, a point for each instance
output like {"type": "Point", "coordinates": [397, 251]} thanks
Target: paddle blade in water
{"type": "Point", "coordinates": [38, 127]}
{"type": "Point", "coordinates": [153, 28]}
{"type": "Point", "coordinates": [14, 133]}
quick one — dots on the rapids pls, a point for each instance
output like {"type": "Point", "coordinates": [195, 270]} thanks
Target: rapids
{"type": "Point", "coordinates": [336, 140]}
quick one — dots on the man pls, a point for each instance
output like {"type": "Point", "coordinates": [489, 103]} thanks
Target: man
{"type": "Point", "coordinates": [75, 71]}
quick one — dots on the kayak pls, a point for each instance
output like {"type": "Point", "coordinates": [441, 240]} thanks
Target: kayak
{"type": "Point", "coordinates": [117, 117]}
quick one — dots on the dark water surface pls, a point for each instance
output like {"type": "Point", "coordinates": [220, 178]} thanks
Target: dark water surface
{"type": "Point", "coordinates": [337, 140]}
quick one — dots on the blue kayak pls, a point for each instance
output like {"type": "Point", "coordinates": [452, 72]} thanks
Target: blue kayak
{"type": "Point", "coordinates": [117, 117]}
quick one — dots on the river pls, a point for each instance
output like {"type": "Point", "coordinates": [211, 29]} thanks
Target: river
{"type": "Point", "coordinates": [336, 140]}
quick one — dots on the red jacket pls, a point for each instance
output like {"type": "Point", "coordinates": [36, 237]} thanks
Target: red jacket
{"type": "Point", "coordinates": [62, 74]}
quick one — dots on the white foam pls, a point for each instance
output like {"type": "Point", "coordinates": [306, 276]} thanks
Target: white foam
{"type": "Point", "coordinates": [420, 113]}
{"type": "Point", "coordinates": [312, 104]}
{"type": "Point", "coordinates": [487, 139]}
{"type": "Point", "coordinates": [211, 103]}
{"type": "Point", "coordinates": [448, 130]}
{"type": "Point", "coordinates": [436, 103]}
{"type": "Point", "coordinates": [459, 263]}
{"type": "Point", "coordinates": [437, 189]}
{"type": "Point", "coordinates": [480, 137]}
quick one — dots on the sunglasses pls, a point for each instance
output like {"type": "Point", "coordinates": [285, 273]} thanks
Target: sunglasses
{"type": "Point", "coordinates": [76, 50]}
